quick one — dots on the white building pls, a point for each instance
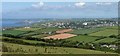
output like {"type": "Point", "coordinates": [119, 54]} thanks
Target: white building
{"type": "Point", "coordinates": [26, 27]}
{"type": "Point", "coordinates": [85, 23]}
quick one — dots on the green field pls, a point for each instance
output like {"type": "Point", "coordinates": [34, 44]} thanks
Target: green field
{"type": "Point", "coordinates": [86, 31]}
{"type": "Point", "coordinates": [17, 48]}
{"type": "Point", "coordinates": [81, 38]}
{"type": "Point", "coordinates": [0, 32]}
{"type": "Point", "coordinates": [29, 34]}
{"type": "Point", "coordinates": [44, 30]}
{"type": "Point", "coordinates": [27, 29]}
{"type": "Point", "coordinates": [112, 27]}
{"type": "Point", "coordinates": [13, 32]}
{"type": "Point", "coordinates": [106, 32]}
{"type": "Point", "coordinates": [51, 29]}
{"type": "Point", "coordinates": [41, 35]}
{"type": "Point", "coordinates": [106, 40]}
{"type": "Point", "coordinates": [28, 41]}
{"type": "Point", "coordinates": [38, 33]}
{"type": "Point", "coordinates": [32, 41]}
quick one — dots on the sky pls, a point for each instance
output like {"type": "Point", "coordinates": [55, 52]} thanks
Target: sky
{"type": "Point", "coordinates": [60, 0]}
{"type": "Point", "coordinates": [27, 10]}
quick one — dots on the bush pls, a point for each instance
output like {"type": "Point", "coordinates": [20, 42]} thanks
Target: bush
{"type": "Point", "coordinates": [85, 34]}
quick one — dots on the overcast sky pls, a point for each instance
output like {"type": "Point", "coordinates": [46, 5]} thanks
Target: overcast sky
{"type": "Point", "coordinates": [59, 10]}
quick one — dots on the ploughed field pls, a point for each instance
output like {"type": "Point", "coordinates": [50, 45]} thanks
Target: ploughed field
{"type": "Point", "coordinates": [60, 36]}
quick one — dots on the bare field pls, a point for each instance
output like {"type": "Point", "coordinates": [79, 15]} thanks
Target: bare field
{"type": "Point", "coordinates": [60, 36]}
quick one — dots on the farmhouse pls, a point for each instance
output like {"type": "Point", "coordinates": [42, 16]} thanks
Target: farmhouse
{"type": "Point", "coordinates": [60, 36]}
{"type": "Point", "coordinates": [63, 31]}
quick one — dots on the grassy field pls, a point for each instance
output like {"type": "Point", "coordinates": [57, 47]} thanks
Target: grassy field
{"type": "Point", "coordinates": [86, 31]}
{"type": "Point", "coordinates": [106, 40]}
{"type": "Point", "coordinates": [28, 41]}
{"type": "Point", "coordinates": [41, 35]}
{"type": "Point", "coordinates": [81, 38]}
{"type": "Point", "coordinates": [0, 32]}
{"type": "Point", "coordinates": [51, 29]}
{"type": "Point", "coordinates": [39, 31]}
{"type": "Point", "coordinates": [32, 41]}
{"type": "Point", "coordinates": [106, 32]}
{"type": "Point", "coordinates": [27, 29]}
{"type": "Point", "coordinates": [16, 48]}
{"type": "Point", "coordinates": [29, 34]}
{"type": "Point", "coordinates": [13, 32]}
{"type": "Point", "coordinates": [112, 27]}
{"type": "Point", "coordinates": [36, 36]}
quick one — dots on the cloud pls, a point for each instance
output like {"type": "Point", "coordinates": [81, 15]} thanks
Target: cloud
{"type": "Point", "coordinates": [80, 4]}
{"type": "Point", "coordinates": [108, 3]}
{"type": "Point", "coordinates": [38, 5]}
{"type": "Point", "coordinates": [99, 3]}
{"type": "Point", "coordinates": [103, 3]}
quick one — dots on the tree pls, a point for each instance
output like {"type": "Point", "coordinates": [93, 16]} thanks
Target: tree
{"type": "Point", "coordinates": [113, 36]}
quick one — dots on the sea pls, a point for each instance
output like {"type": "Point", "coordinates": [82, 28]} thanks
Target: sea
{"type": "Point", "coordinates": [17, 22]}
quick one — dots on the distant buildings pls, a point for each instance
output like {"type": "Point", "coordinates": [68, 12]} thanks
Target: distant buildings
{"type": "Point", "coordinates": [81, 24]}
{"type": "Point", "coordinates": [26, 27]}
{"type": "Point", "coordinates": [113, 47]}
{"type": "Point", "coordinates": [85, 23]}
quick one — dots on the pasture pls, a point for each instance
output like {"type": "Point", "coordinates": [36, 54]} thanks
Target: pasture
{"type": "Point", "coordinates": [82, 38]}
{"type": "Point", "coordinates": [20, 49]}
{"type": "Point", "coordinates": [13, 32]}
{"type": "Point", "coordinates": [86, 31]}
{"type": "Point", "coordinates": [27, 29]}
{"type": "Point", "coordinates": [106, 32]}
{"type": "Point", "coordinates": [106, 40]}
{"type": "Point", "coordinates": [112, 27]}
{"type": "Point", "coordinates": [0, 32]}
{"type": "Point", "coordinates": [41, 35]}
{"type": "Point", "coordinates": [51, 29]}
{"type": "Point", "coordinates": [28, 41]}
